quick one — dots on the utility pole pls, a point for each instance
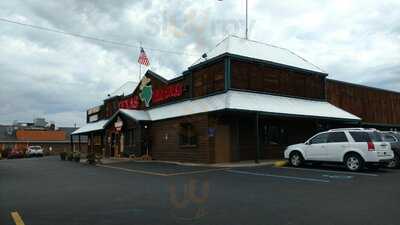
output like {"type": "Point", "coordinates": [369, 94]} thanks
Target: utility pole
{"type": "Point", "coordinates": [247, 19]}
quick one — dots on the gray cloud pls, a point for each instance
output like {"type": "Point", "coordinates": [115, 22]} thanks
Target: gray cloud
{"type": "Point", "coordinates": [57, 76]}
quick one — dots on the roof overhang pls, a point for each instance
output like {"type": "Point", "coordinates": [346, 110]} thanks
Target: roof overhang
{"type": "Point", "coordinates": [90, 127]}
{"type": "Point", "coordinates": [265, 104]}
{"type": "Point", "coordinates": [244, 101]}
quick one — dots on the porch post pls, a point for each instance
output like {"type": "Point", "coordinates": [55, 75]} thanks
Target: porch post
{"type": "Point", "coordinates": [79, 143]}
{"type": "Point", "coordinates": [258, 138]}
{"type": "Point", "coordinates": [71, 140]}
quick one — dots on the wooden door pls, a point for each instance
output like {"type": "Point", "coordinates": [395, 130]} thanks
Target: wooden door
{"type": "Point", "coordinates": [222, 144]}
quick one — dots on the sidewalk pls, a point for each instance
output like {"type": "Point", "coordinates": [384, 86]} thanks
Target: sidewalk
{"type": "Point", "coordinates": [249, 163]}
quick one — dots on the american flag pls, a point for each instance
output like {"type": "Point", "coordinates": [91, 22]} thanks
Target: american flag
{"type": "Point", "coordinates": [143, 58]}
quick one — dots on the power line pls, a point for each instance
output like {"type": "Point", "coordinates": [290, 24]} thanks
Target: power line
{"type": "Point", "coordinates": [93, 38]}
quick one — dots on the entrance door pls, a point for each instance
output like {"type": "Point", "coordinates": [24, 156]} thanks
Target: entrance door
{"type": "Point", "coordinates": [222, 144]}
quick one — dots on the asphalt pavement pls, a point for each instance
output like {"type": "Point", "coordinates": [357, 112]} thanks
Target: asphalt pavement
{"type": "Point", "coordinates": [47, 191]}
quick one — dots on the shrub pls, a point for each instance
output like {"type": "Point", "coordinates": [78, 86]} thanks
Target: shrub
{"type": "Point", "coordinates": [77, 156]}
{"type": "Point", "coordinates": [70, 156]}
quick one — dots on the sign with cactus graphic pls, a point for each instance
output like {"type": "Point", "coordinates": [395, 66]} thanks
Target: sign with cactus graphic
{"type": "Point", "coordinates": [146, 91]}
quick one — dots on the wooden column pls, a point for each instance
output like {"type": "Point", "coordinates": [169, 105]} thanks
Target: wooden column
{"type": "Point", "coordinates": [79, 143]}
{"type": "Point", "coordinates": [257, 138]}
{"type": "Point", "coordinates": [72, 142]}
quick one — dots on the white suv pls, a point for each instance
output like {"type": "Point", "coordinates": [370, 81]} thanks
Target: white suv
{"type": "Point", "coordinates": [34, 151]}
{"type": "Point", "coordinates": [355, 147]}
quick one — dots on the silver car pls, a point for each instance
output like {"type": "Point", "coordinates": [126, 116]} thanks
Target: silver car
{"type": "Point", "coordinates": [33, 151]}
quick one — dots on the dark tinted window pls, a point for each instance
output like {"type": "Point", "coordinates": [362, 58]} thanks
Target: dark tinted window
{"type": "Point", "coordinates": [366, 136]}
{"type": "Point", "coordinates": [389, 137]}
{"type": "Point", "coordinates": [337, 137]}
{"type": "Point", "coordinates": [360, 136]}
{"type": "Point", "coordinates": [321, 138]}
{"type": "Point", "coordinates": [275, 135]}
{"type": "Point", "coordinates": [375, 136]}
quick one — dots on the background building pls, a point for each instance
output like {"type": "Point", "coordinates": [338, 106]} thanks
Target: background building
{"type": "Point", "coordinates": [20, 135]}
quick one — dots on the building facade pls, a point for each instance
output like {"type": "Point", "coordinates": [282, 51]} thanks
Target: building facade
{"type": "Point", "coordinates": [245, 100]}
{"type": "Point", "coordinates": [52, 141]}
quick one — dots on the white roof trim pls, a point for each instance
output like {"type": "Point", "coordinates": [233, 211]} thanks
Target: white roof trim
{"type": "Point", "coordinates": [90, 127]}
{"type": "Point", "coordinates": [233, 100]}
{"type": "Point", "coordinates": [262, 51]}
{"type": "Point", "coordinates": [239, 100]}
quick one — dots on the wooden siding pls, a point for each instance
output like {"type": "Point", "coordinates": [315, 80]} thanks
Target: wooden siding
{"type": "Point", "coordinates": [209, 79]}
{"type": "Point", "coordinates": [370, 104]}
{"type": "Point", "coordinates": [264, 78]}
{"type": "Point", "coordinates": [164, 137]}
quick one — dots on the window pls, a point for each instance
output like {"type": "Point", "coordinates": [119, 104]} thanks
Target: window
{"type": "Point", "coordinates": [319, 139]}
{"type": "Point", "coordinates": [360, 136]}
{"type": "Point", "coordinates": [389, 138]}
{"type": "Point", "coordinates": [366, 136]}
{"type": "Point", "coordinates": [337, 137]}
{"type": "Point", "coordinates": [275, 135]}
{"type": "Point", "coordinates": [375, 136]}
{"type": "Point", "coordinates": [187, 135]}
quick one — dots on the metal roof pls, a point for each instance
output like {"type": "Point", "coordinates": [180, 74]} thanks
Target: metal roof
{"type": "Point", "coordinates": [126, 89]}
{"type": "Point", "coordinates": [262, 51]}
{"type": "Point", "coordinates": [248, 101]}
{"type": "Point", "coordinates": [90, 127]}
{"type": "Point", "coordinates": [233, 100]}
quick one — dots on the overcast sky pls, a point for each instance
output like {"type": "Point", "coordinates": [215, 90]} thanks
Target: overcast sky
{"type": "Point", "coordinates": [58, 77]}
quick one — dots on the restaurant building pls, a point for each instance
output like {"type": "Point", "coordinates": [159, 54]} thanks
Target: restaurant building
{"type": "Point", "coordinates": [243, 100]}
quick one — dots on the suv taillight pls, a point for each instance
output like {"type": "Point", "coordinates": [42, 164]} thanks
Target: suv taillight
{"type": "Point", "coordinates": [371, 146]}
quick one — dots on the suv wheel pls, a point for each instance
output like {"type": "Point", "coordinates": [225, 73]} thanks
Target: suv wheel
{"type": "Point", "coordinates": [296, 159]}
{"type": "Point", "coordinates": [354, 162]}
{"type": "Point", "coordinates": [395, 162]}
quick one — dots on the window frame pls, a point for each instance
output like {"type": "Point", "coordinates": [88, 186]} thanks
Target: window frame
{"type": "Point", "coordinates": [328, 140]}
{"type": "Point", "coordinates": [187, 136]}
{"type": "Point", "coordinates": [317, 135]}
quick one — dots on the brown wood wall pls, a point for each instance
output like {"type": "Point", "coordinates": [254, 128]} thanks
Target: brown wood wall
{"type": "Point", "coordinates": [209, 79]}
{"type": "Point", "coordinates": [168, 149]}
{"type": "Point", "coordinates": [264, 78]}
{"type": "Point", "coordinates": [372, 105]}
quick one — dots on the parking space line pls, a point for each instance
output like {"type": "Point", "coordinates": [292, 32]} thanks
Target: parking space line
{"type": "Point", "coordinates": [17, 218]}
{"type": "Point", "coordinates": [135, 171]}
{"type": "Point", "coordinates": [161, 174]}
{"type": "Point", "coordinates": [331, 171]}
{"type": "Point", "coordinates": [279, 176]}
{"type": "Point", "coordinates": [197, 171]}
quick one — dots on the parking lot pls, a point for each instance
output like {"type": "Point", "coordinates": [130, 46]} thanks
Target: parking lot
{"type": "Point", "coordinates": [50, 191]}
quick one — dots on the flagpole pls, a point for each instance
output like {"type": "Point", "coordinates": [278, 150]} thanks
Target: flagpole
{"type": "Point", "coordinates": [140, 65]}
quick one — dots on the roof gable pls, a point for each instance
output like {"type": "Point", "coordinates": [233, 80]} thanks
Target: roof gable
{"type": "Point", "coordinates": [257, 50]}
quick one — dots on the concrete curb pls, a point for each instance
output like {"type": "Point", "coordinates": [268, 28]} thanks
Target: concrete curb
{"type": "Point", "coordinates": [278, 163]}
{"type": "Point", "coordinates": [217, 165]}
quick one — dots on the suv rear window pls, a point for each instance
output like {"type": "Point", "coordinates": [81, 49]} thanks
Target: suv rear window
{"type": "Point", "coordinates": [337, 137]}
{"type": "Point", "coordinates": [366, 136]}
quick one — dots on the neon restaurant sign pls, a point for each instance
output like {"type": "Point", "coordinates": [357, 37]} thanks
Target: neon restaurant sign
{"type": "Point", "coordinates": [156, 96]}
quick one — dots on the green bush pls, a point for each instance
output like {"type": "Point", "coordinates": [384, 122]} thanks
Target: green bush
{"type": "Point", "coordinates": [77, 156]}
{"type": "Point", "coordinates": [91, 158]}
{"type": "Point", "coordinates": [70, 156]}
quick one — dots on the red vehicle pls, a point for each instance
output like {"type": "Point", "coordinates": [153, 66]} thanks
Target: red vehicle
{"type": "Point", "coordinates": [15, 154]}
